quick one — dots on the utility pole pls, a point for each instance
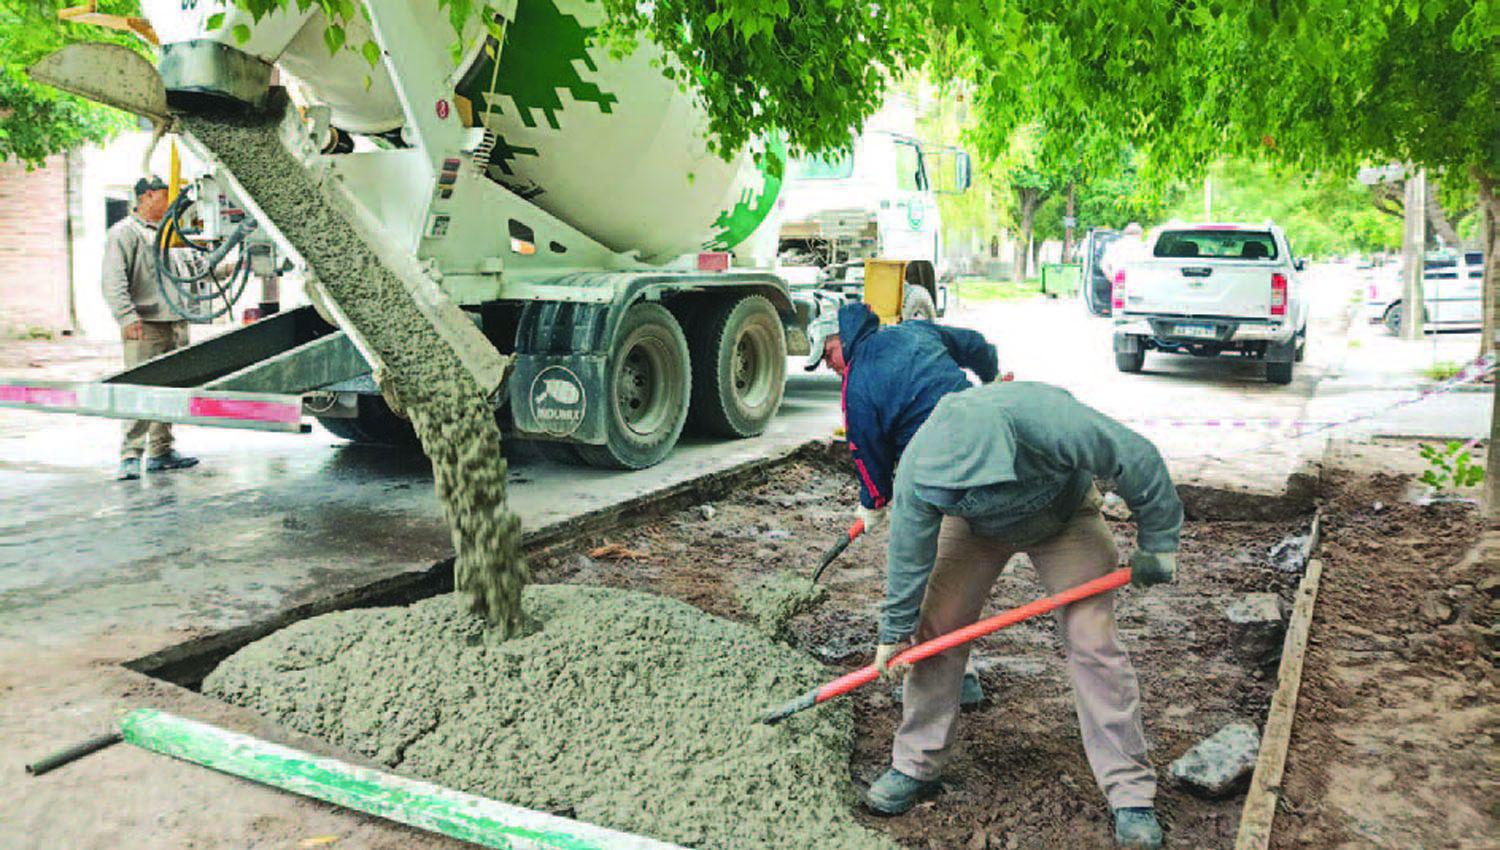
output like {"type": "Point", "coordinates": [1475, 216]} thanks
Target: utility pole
{"type": "Point", "coordinates": [1413, 254]}
{"type": "Point", "coordinates": [1491, 342]}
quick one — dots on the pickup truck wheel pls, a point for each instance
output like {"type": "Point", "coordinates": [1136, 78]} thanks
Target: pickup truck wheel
{"type": "Point", "coordinates": [1393, 319]}
{"type": "Point", "coordinates": [1279, 373]}
{"type": "Point", "coordinates": [646, 391]}
{"type": "Point", "coordinates": [739, 368]}
{"type": "Point", "coordinates": [376, 424]}
{"type": "Point", "coordinates": [1130, 361]}
{"type": "Point", "coordinates": [1301, 348]}
{"type": "Point", "coordinates": [916, 303]}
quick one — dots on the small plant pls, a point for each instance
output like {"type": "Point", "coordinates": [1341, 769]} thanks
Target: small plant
{"type": "Point", "coordinates": [1442, 370]}
{"type": "Point", "coordinates": [1450, 467]}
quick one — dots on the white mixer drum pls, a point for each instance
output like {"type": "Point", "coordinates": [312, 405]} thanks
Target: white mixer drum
{"type": "Point", "coordinates": [611, 146]}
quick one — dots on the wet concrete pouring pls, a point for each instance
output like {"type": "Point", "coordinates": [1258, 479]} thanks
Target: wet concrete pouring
{"type": "Point", "coordinates": [1019, 777]}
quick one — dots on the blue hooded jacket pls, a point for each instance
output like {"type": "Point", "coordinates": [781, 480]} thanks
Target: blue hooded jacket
{"type": "Point", "coordinates": [893, 377]}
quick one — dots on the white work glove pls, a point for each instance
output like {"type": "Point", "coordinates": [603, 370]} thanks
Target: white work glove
{"type": "Point", "coordinates": [873, 518]}
{"type": "Point", "coordinates": [1148, 568]}
{"type": "Point", "coordinates": [883, 655]}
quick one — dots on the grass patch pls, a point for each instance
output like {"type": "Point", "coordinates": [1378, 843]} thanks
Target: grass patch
{"type": "Point", "coordinates": [1442, 370]}
{"type": "Point", "coordinates": [992, 289]}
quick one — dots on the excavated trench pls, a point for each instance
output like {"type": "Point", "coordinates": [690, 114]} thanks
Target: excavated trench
{"type": "Point", "coordinates": [633, 710]}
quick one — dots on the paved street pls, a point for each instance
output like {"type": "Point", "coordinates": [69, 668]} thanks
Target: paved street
{"type": "Point", "coordinates": [94, 572]}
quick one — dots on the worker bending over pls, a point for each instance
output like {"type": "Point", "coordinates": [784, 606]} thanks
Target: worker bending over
{"type": "Point", "coordinates": [1001, 469]}
{"type": "Point", "coordinates": [893, 377]}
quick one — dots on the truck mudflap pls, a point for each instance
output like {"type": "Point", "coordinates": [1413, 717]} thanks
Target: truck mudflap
{"type": "Point", "coordinates": [186, 405]}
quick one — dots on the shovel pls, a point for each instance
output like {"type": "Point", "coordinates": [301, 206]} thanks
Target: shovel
{"type": "Point", "coordinates": [838, 548]}
{"type": "Point", "coordinates": [865, 675]}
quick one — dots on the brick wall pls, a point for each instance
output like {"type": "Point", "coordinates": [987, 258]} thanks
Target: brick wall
{"type": "Point", "coordinates": [34, 247]}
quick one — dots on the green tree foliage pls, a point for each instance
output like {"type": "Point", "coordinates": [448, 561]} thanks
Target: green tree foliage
{"type": "Point", "coordinates": [1324, 215]}
{"type": "Point", "coordinates": [38, 121]}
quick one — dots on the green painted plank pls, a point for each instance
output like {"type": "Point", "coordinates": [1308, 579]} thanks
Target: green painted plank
{"type": "Point", "coordinates": [415, 803]}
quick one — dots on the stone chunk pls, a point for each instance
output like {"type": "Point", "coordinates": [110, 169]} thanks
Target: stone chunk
{"type": "Point", "coordinates": [1219, 764]}
{"type": "Point", "coordinates": [1255, 626]}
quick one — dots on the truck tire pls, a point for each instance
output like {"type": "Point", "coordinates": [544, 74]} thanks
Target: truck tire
{"type": "Point", "coordinates": [1392, 319]}
{"type": "Point", "coordinates": [739, 368]}
{"type": "Point", "coordinates": [1301, 347]}
{"type": "Point", "coordinates": [376, 424]}
{"type": "Point", "coordinates": [916, 303]}
{"type": "Point", "coordinates": [647, 386]}
{"type": "Point", "coordinates": [1279, 372]}
{"type": "Point", "coordinates": [1130, 361]}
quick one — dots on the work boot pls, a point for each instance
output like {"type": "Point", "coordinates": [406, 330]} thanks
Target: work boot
{"type": "Point", "coordinates": [170, 460]}
{"type": "Point", "coordinates": [894, 793]}
{"type": "Point", "coordinates": [130, 469]}
{"type": "Point", "coordinates": [1137, 829]}
{"type": "Point", "coordinates": [970, 695]}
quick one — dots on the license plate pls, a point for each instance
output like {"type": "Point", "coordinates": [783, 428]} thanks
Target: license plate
{"type": "Point", "coordinates": [1197, 331]}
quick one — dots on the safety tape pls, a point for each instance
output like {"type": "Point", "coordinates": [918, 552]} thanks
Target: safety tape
{"type": "Point", "coordinates": [1473, 371]}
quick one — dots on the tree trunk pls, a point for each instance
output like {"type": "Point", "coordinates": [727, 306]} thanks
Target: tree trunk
{"type": "Point", "coordinates": [1413, 257]}
{"type": "Point", "coordinates": [1068, 224]}
{"type": "Point", "coordinates": [1030, 199]}
{"type": "Point", "coordinates": [1489, 198]}
{"type": "Point", "coordinates": [1437, 219]}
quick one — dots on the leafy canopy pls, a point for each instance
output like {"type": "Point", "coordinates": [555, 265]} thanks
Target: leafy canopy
{"type": "Point", "coordinates": [38, 121]}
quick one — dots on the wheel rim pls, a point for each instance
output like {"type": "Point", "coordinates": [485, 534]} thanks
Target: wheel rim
{"type": "Point", "coordinates": [642, 395]}
{"type": "Point", "coordinates": [750, 367]}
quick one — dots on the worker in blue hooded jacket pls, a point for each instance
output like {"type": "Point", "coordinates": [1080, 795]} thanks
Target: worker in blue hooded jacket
{"type": "Point", "coordinates": [1007, 468]}
{"type": "Point", "coordinates": [893, 377]}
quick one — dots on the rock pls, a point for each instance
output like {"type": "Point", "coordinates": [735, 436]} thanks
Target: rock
{"type": "Point", "coordinates": [1290, 555]}
{"type": "Point", "coordinates": [1435, 611]}
{"type": "Point", "coordinates": [1114, 507]}
{"type": "Point", "coordinates": [707, 511]}
{"type": "Point", "coordinates": [1489, 584]}
{"type": "Point", "coordinates": [1255, 627]}
{"type": "Point", "coordinates": [778, 534]}
{"type": "Point", "coordinates": [1219, 764]}
{"type": "Point", "coordinates": [1020, 666]}
{"type": "Point", "coordinates": [977, 841]}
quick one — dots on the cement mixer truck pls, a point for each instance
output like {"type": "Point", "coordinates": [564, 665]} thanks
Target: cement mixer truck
{"type": "Point", "coordinates": [553, 210]}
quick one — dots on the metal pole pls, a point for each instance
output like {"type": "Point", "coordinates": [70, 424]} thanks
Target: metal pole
{"type": "Point", "coordinates": [420, 804]}
{"type": "Point", "coordinates": [1413, 255]}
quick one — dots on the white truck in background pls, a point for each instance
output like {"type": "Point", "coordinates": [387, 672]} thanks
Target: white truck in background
{"type": "Point", "coordinates": [1212, 289]}
{"type": "Point", "coordinates": [875, 201]}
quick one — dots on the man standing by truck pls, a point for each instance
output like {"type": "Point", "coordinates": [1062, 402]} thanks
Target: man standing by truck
{"type": "Point", "coordinates": [147, 324]}
{"type": "Point", "coordinates": [1010, 468]}
{"type": "Point", "coordinates": [893, 377]}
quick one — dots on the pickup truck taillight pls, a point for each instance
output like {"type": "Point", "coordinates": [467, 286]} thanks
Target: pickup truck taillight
{"type": "Point", "coordinates": [1117, 291]}
{"type": "Point", "coordinates": [1278, 294]}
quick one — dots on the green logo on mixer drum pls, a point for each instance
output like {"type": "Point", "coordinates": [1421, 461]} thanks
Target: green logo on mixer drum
{"type": "Point", "coordinates": [538, 61]}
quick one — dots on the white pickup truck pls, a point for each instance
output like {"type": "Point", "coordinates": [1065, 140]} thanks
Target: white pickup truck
{"type": "Point", "coordinates": [1211, 289]}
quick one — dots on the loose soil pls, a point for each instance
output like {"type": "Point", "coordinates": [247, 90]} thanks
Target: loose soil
{"type": "Point", "coordinates": [1394, 739]}
{"type": "Point", "coordinates": [1019, 777]}
{"type": "Point", "coordinates": [424, 376]}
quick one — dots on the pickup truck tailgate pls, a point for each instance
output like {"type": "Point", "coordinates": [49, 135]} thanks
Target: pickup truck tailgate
{"type": "Point", "coordinates": [1199, 287]}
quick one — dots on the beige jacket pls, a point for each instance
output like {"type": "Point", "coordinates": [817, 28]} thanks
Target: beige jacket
{"type": "Point", "coordinates": [129, 278]}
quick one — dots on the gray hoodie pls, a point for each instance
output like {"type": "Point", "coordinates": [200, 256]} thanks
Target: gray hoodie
{"type": "Point", "coordinates": [129, 275]}
{"type": "Point", "coordinates": [1016, 460]}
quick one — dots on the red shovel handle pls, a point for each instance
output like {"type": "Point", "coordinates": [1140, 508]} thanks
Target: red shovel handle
{"type": "Point", "coordinates": [863, 676]}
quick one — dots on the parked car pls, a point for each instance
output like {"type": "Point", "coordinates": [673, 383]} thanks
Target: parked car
{"type": "Point", "coordinates": [1212, 289]}
{"type": "Point", "coordinates": [1452, 292]}
{"type": "Point", "coordinates": [1094, 285]}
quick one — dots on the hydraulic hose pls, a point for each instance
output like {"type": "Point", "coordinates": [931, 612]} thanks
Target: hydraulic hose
{"type": "Point", "coordinates": [191, 297]}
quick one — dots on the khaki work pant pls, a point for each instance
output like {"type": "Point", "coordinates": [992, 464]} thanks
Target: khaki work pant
{"type": "Point", "coordinates": [157, 338]}
{"type": "Point", "coordinates": [1104, 684]}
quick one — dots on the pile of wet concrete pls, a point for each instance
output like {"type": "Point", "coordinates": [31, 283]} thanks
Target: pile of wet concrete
{"type": "Point", "coordinates": [624, 709]}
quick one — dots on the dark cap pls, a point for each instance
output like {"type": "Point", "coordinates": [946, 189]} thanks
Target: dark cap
{"type": "Point", "coordinates": [148, 184]}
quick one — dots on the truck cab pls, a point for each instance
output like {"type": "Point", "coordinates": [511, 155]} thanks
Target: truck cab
{"type": "Point", "coordinates": [875, 200]}
{"type": "Point", "coordinates": [1209, 290]}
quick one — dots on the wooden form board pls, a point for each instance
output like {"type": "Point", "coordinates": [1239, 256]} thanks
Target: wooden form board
{"type": "Point", "coordinates": [1265, 785]}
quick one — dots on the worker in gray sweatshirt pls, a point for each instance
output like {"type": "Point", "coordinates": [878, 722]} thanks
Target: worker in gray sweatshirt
{"type": "Point", "coordinates": [1001, 469]}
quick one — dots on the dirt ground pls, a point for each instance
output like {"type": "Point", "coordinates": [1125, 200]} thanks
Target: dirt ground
{"type": "Point", "coordinates": [1019, 779]}
{"type": "Point", "coordinates": [1394, 740]}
